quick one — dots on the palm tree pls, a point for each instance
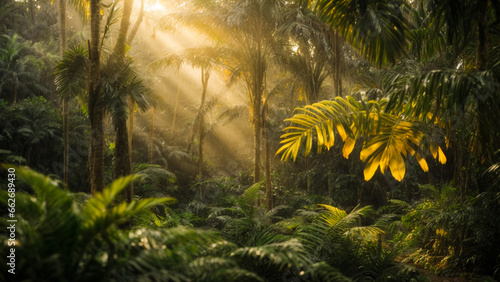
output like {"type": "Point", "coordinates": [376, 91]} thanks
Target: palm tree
{"type": "Point", "coordinates": [62, 47]}
{"type": "Point", "coordinates": [119, 84]}
{"type": "Point", "coordinates": [17, 75]}
{"type": "Point", "coordinates": [205, 58]}
{"type": "Point", "coordinates": [249, 31]}
{"type": "Point", "coordinates": [130, 39]}
{"type": "Point", "coordinates": [123, 150]}
{"type": "Point", "coordinates": [377, 29]}
{"type": "Point", "coordinates": [96, 110]}
{"type": "Point", "coordinates": [312, 57]}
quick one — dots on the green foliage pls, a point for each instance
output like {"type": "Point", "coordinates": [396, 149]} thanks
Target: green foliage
{"type": "Point", "coordinates": [376, 28]}
{"type": "Point", "coordinates": [30, 131]}
{"type": "Point", "coordinates": [56, 238]}
{"type": "Point", "coordinates": [20, 76]}
{"type": "Point", "coordinates": [155, 182]}
{"type": "Point", "coordinates": [338, 240]}
{"type": "Point", "coordinates": [450, 236]}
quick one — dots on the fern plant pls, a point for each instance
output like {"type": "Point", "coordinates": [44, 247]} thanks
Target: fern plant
{"type": "Point", "coordinates": [60, 240]}
{"type": "Point", "coordinates": [62, 236]}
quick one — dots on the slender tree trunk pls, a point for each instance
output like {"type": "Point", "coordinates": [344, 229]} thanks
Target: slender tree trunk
{"type": "Point", "coordinates": [137, 24]}
{"type": "Point", "coordinates": [16, 87]}
{"type": "Point", "coordinates": [123, 167]}
{"type": "Point", "coordinates": [124, 25]}
{"type": "Point", "coordinates": [482, 33]}
{"type": "Point", "coordinates": [62, 47]}
{"type": "Point", "coordinates": [65, 140]}
{"type": "Point", "coordinates": [338, 64]}
{"type": "Point", "coordinates": [131, 108]}
{"type": "Point", "coordinates": [151, 137]}
{"type": "Point", "coordinates": [257, 113]}
{"type": "Point", "coordinates": [200, 149]}
{"type": "Point", "coordinates": [205, 75]}
{"type": "Point", "coordinates": [269, 186]}
{"type": "Point", "coordinates": [200, 159]}
{"type": "Point", "coordinates": [175, 107]}
{"type": "Point", "coordinates": [130, 39]}
{"type": "Point", "coordinates": [96, 111]}
{"type": "Point", "coordinates": [32, 11]}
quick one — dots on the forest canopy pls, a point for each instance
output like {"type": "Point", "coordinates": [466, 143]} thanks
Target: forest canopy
{"type": "Point", "coordinates": [263, 140]}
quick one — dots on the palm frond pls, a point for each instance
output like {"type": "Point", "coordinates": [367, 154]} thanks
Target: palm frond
{"type": "Point", "coordinates": [71, 72]}
{"type": "Point", "coordinates": [376, 29]}
{"type": "Point", "coordinates": [390, 137]}
{"type": "Point", "coordinates": [280, 255]}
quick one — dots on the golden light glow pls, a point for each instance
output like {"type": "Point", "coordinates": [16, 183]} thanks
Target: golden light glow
{"type": "Point", "coordinates": [153, 7]}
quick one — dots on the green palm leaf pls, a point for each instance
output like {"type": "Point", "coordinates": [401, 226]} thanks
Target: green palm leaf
{"type": "Point", "coordinates": [376, 29]}
{"type": "Point", "coordinates": [71, 72]}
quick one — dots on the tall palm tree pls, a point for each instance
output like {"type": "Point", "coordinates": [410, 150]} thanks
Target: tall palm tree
{"type": "Point", "coordinates": [119, 84]}
{"type": "Point", "coordinates": [205, 58]}
{"type": "Point", "coordinates": [96, 110]}
{"type": "Point", "coordinates": [62, 47]}
{"type": "Point", "coordinates": [249, 29]}
{"type": "Point", "coordinates": [130, 39]}
{"type": "Point", "coordinates": [312, 56]}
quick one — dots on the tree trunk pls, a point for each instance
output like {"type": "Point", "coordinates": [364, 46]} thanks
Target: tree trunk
{"type": "Point", "coordinates": [482, 33]}
{"type": "Point", "coordinates": [130, 39]}
{"type": "Point", "coordinates": [151, 136]}
{"type": "Point", "coordinates": [62, 47]}
{"type": "Point", "coordinates": [124, 25]}
{"type": "Point", "coordinates": [16, 87]}
{"type": "Point", "coordinates": [131, 108]}
{"type": "Point", "coordinates": [123, 167]}
{"type": "Point", "coordinates": [269, 186]}
{"type": "Point", "coordinates": [32, 11]}
{"type": "Point", "coordinates": [65, 140]}
{"type": "Point", "coordinates": [257, 113]}
{"type": "Point", "coordinates": [200, 159]}
{"type": "Point", "coordinates": [205, 75]}
{"type": "Point", "coordinates": [338, 64]}
{"type": "Point", "coordinates": [137, 24]}
{"type": "Point", "coordinates": [175, 107]}
{"type": "Point", "coordinates": [96, 111]}
{"type": "Point", "coordinates": [97, 152]}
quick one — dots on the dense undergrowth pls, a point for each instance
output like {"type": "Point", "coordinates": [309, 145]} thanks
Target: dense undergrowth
{"type": "Point", "coordinates": [63, 236]}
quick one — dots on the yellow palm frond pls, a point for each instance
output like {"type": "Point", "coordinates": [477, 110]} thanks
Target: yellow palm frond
{"type": "Point", "coordinates": [388, 138]}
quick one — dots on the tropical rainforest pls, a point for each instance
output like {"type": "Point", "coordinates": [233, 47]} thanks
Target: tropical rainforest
{"type": "Point", "coordinates": [250, 140]}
